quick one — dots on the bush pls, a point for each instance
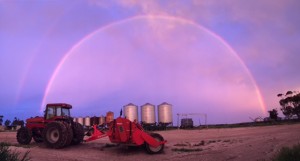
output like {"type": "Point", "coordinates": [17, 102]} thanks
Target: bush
{"type": "Point", "coordinates": [7, 155]}
{"type": "Point", "coordinates": [288, 154]}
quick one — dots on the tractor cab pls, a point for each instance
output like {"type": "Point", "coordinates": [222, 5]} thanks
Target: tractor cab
{"type": "Point", "coordinates": [57, 111]}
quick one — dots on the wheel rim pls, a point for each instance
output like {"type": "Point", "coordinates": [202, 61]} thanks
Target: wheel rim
{"type": "Point", "coordinates": [53, 135]}
{"type": "Point", "coordinates": [157, 149]}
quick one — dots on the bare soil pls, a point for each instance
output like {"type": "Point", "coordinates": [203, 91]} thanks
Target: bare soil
{"type": "Point", "coordinates": [224, 144]}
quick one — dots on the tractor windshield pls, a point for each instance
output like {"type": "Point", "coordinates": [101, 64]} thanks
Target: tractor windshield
{"type": "Point", "coordinates": [57, 111]}
{"type": "Point", "coordinates": [62, 111]}
{"type": "Point", "coordinates": [65, 112]}
{"type": "Point", "coordinates": [50, 112]}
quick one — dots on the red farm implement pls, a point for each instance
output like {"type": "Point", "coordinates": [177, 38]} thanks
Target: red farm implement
{"type": "Point", "coordinates": [123, 131]}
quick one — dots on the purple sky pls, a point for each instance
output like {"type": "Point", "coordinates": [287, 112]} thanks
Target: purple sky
{"type": "Point", "coordinates": [228, 59]}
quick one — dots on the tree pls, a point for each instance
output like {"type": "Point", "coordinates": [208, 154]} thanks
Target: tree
{"type": "Point", "coordinates": [287, 111]}
{"type": "Point", "coordinates": [1, 120]}
{"type": "Point", "coordinates": [17, 122]}
{"type": "Point", "coordinates": [7, 123]}
{"type": "Point", "coordinates": [290, 103]}
{"type": "Point", "coordinates": [273, 114]}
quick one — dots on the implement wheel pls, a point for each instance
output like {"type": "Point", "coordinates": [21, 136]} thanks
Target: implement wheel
{"type": "Point", "coordinates": [153, 150]}
{"type": "Point", "coordinates": [55, 135]}
{"type": "Point", "coordinates": [24, 136]}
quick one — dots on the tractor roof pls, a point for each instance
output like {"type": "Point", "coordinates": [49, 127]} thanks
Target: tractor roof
{"type": "Point", "coordinates": [65, 105]}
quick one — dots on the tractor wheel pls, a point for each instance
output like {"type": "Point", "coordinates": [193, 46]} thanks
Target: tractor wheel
{"type": "Point", "coordinates": [153, 150]}
{"type": "Point", "coordinates": [55, 135]}
{"type": "Point", "coordinates": [37, 138]}
{"type": "Point", "coordinates": [24, 136]}
{"type": "Point", "coordinates": [78, 133]}
{"type": "Point", "coordinates": [70, 133]}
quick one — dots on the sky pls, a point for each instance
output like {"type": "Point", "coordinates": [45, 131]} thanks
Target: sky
{"type": "Point", "coordinates": [228, 59]}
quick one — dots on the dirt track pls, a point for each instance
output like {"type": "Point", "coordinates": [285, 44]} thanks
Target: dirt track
{"type": "Point", "coordinates": [244, 144]}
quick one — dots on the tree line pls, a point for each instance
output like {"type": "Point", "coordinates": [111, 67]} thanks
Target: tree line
{"type": "Point", "coordinates": [290, 105]}
{"type": "Point", "coordinates": [15, 122]}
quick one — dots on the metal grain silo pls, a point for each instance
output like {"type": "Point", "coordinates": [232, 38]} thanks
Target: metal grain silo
{"type": "Point", "coordinates": [80, 120]}
{"type": "Point", "coordinates": [94, 120]}
{"type": "Point", "coordinates": [131, 112]}
{"type": "Point", "coordinates": [148, 113]}
{"type": "Point", "coordinates": [109, 117]}
{"type": "Point", "coordinates": [101, 120]}
{"type": "Point", "coordinates": [165, 113]}
{"type": "Point", "coordinates": [87, 121]}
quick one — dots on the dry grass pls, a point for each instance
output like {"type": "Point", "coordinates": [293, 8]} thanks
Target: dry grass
{"type": "Point", "coordinates": [288, 154]}
{"type": "Point", "coordinates": [8, 155]}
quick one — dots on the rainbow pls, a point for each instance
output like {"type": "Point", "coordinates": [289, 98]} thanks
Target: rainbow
{"type": "Point", "coordinates": [154, 17]}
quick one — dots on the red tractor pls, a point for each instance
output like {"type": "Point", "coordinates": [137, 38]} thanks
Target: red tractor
{"type": "Point", "coordinates": [56, 129]}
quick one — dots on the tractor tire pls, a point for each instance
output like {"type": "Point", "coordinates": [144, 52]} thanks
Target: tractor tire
{"type": "Point", "coordinates": [24, 136]}
{"type": "Point", "coordinates": [70, 133]}
{"type": "Point", "coordinates": [55, 135]}
{"type": "Point", "coordinates": [37, 138]}
{"type": "Point", "coordinates": [78, 133]}
{"type": "Point", "coordinates": [159, 149]}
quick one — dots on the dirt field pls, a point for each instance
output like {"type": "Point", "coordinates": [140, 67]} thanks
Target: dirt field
{"type": "Point", "coordinates": [244, 144]}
